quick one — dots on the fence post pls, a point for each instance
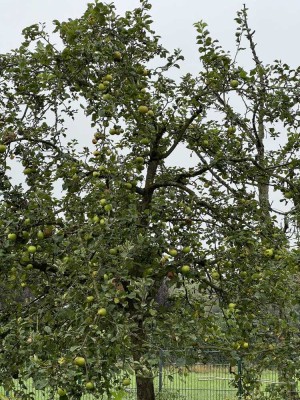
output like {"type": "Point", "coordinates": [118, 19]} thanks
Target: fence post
{"type": "Point", "coordinates": [240, 382]}
{"type": "Point", "coordinates": [160, 372]}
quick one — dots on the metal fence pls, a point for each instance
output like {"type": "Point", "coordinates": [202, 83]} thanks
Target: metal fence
{"type": "Point", "coordinates": [212, 377]}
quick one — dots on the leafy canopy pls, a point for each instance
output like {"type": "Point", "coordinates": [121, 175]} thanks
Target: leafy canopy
{"type": "Point", "coordinates": [94, 238]}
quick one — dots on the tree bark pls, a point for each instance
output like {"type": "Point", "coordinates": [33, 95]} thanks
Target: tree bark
{"type": "Point", "coordinates": [145, 388]}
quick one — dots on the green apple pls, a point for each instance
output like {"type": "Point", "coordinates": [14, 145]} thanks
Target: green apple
{"type": "Point", "coordinates": [269, 252]}
{"type": "Point", "coordinates": [231, 306]}
{"type": "Point", "coordinates": [139, 160]}
{"type": "Point", "coordinates": [173, 252]}
{"type": "Point", "coordinates": [2, 148]}
{"type": "Point", "coordinates": [113, 251]}
{"type": "Point", "coordinates": [234, 83]}
{"type": "Point", "coordinates": [117, 56]}
{"type": "Point", "coordinates": [102, 202]}
{"type": "Point", "coordinates": [79, 361]}
{"type": "Point", "coordinates": [185, 269]}
{"type": "Point", "coordinates": [31, 249]}
{"type": "Point", "coordinates": [108, 207]}
{"type": "Point", "coordinates": [107, 96]}
{"type": "Point", "coordinates": [90, 299]}
{"type": "Point", "coordinates": [99, 135]}
{"type": "Point", "coordinates": [150, 113]}
{"type": "Point", "coordinates": [28, 171]}
{"type": "Point", "coordinates": [126, 382]}
{"type": "Point", "coordinates": [143, 109]}
{"type": "Point", "coordinates": [128, 185]}
{"type": "Point", "coordinates": [61, 392]}
{"type": "Point", "coordinates": [231, 129]}
{"type": "Point", "coordinates": [101, 87]}
{"type": "Point", "coordinates": [145, 141]}
{"type": "Point", "coordinates": [215, 275]}
{"type": "Point", "coordinates": [102, 221]}
{"type": "Point", "coordinates": [245, 345]}
{"type": "Point", "coordinates": [40, 235]}
{"type": "Point", "coordinates": [12, 236]}
{"type": "Point", "coordinates": [288, 195]}
{"type": "Point", "coordinates": [102, 312]}
{"type": "Point", "coordinates": [96, 219]}
{"type": "Point", "coordinates": [186, 249]}
{"type": "Point", "coordinates": [90, 386]}
{"type": "Point", "coordinates": [108, 78]}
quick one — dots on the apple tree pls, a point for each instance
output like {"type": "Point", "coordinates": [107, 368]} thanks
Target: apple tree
{"type": "Point", "coordinates": [122, 239]}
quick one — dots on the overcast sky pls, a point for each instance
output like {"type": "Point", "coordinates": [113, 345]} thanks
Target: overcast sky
{"type": "Point", "coordinates": [276, 22]}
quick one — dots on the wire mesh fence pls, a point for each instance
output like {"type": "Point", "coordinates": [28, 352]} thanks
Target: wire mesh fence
{"type": "Point", "coordinates": [184, 376]}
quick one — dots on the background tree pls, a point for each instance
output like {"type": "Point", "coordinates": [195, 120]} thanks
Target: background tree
{"type": "Point", "coordinates": [109, 253]}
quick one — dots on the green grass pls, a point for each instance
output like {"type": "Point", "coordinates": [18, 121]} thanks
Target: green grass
{"type": "Point", "coordinates": [199, 382]}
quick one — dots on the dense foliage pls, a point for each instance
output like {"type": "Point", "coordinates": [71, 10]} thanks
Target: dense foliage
{"type": "Point", "coordinates": [154, 228]}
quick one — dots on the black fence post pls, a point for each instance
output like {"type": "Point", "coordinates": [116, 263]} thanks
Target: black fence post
{"type": "Point", "coordinates": [240, 381]}
{"type": "Point", "coordinates": [160, 372]}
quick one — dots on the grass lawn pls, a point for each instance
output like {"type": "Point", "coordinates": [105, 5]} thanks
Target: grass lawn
{"type": "Point", "coordinates": [199, 382]}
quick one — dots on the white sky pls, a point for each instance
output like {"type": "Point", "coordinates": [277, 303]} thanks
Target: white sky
{"type": "Point", "coordinates": [275, 21]}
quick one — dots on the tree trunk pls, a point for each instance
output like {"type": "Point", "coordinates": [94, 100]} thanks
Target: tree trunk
{"type": "Point", "coordinates": [145, 388]}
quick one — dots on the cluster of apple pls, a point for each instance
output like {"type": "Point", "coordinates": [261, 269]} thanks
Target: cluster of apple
{"type": "Point", "coordinates": [102, 312]}
{"type": "Point", "coordinates": [272, 253]}
{"type": "Point", "coordinates": [41, 234]}
{"type": "Point", "coordinates": [104, 87]}
{"type": "Point", "coordinates": [107, 207]}
{"type": "Point", "coordinates": [89, 385]}
{"type": "Point", "coordinates": [30, 239]}
{"type": "Point", "coordinates": [241, 345]}
{"type": "Point", "coordinates": [142, 109]}
{"type": "Point", "coordinates": [106, 81]}
{"type": "Point", "coordinates": [185, 269]}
